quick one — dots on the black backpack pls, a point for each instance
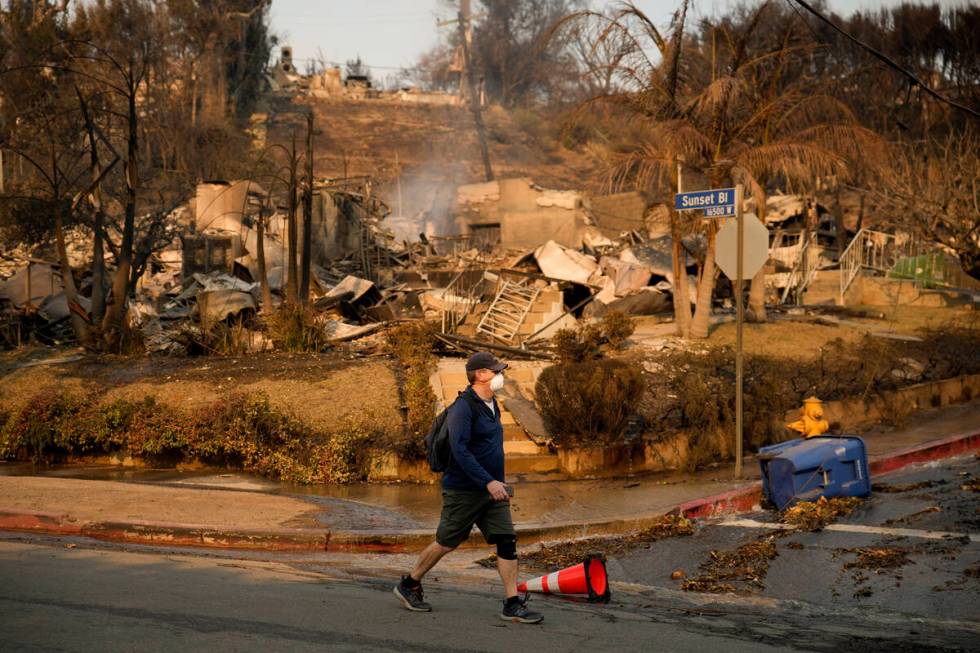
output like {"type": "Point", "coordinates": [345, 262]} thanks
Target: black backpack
{"type": "Point", "coordinates": [438, 452]}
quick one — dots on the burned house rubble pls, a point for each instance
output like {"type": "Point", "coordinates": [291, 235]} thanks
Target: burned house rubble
{"type": "Point", "coordinates": [514, 263]}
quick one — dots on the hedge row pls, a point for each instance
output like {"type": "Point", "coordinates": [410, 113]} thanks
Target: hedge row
{"type": "Point", "coordinates": [241, 430]}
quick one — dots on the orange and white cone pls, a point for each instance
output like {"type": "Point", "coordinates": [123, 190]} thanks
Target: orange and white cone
{"type": "Point", "coordinates": [588, 577]}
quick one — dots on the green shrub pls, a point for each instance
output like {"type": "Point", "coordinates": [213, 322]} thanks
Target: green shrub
{"type": "Point", "coordinates": [346, 454]}
{"type": "Point", "coordinates": [297, 329]}
{"type": "Point", "coordinates": [240, 430]}
{"type": "Point", "coordinates": [616, 327]}
{"type": "Point", "coordinates": [585, 342]}
{"type": "Point", "coordinates": [37, 428]}
{"type": "Point", "coordinates": [589, 404]}
{"type": "Point", "coordinates": [412, 343]}
{"type": "Point", "coordinates": [577, 345]}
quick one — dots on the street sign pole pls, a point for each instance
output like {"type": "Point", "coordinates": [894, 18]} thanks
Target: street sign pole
{"type": "Point", "coordinates": [719, 203]}
{"type": "Point", "coordinates": [739, 316]}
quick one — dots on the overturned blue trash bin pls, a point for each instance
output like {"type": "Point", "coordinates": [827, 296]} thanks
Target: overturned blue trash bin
{"type": "Point", "coordinates": [820, 466]}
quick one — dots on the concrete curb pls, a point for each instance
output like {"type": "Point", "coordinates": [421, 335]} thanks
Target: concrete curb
{"type": "Point", "coordinates": [744, 498]}
{"type": "Point", "coordinates": [740, 499]}
{"type": "Point", "coordinates": [936, 450]}
{"type": "Point", "coordinates": [164, 534]}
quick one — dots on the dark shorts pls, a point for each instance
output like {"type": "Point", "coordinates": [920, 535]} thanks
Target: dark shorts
{"type": "Point", "coordinates": [463, 508]}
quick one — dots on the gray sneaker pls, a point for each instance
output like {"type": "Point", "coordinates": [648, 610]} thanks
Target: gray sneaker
{"type": "Point", "coordinates": [411, 597]}
{"type": "Point", "coordinates": [518, 613]}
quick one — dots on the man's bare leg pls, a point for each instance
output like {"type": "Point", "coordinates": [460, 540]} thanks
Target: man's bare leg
{"type": "Point", "coordinates": [430, 556]}
{"type": "Point", "coordinates": [508, 573]}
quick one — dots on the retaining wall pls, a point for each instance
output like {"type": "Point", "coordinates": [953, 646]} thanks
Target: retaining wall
{"type": "Point", "coordinates": [844, 415]}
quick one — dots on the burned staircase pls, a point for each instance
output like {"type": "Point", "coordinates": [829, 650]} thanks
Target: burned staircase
{"type": "Point", "coordinates": [507, 311]}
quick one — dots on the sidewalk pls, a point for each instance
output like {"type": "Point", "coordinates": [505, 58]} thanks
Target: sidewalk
{"type": "Point", "coordinates": [238, 511]}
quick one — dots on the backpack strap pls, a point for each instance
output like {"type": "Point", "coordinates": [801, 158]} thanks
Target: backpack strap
{"type": "Point", "coordinates": [474, 405]}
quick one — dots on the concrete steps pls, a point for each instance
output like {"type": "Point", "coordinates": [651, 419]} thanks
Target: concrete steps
{"type": "Point", "coordinates": [823, 289]}
{"type": "Point", "coordinates": [517, 442]}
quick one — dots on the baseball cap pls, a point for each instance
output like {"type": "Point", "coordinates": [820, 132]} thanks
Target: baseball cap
{"type": "Point", "coordinates": [484, 360]}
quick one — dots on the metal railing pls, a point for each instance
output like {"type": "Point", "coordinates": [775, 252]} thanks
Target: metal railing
{"type": "Point", "coordinates": [803, 271]}
{"type": "Point", "coordinates": [872, 250]}
{"type": "Point", "coordinates": [459, 298]}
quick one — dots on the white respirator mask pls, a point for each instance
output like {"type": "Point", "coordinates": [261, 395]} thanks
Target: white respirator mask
{"type": "Point", "coordinates": [497, 382]}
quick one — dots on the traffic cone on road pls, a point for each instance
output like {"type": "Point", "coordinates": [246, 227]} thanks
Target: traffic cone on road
{"type": "Point", "coordinates": [588, 577]}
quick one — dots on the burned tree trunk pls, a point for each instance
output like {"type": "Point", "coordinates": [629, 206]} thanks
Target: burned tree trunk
{"type": "Point", "coordinates": [98, 269]}
{"type": "Point", "coordinates": [757, 291]}
{"type": "Point", "coordinates": [304, 289]}
{"type": "Point", "coordinates": [114, 322]}
{"type": "Point", "coordinates": [263, 274]}
{"type": "Point", "coordinates": [682, 293]}
{"type": "Point", "coordinates": [79, 321]}
{"type": "Point", "coordinates": [95, 197]}
{"type": "Point", "coordinates": [706, 287]}
{"type": "Point", "coordinates": [292, 287]}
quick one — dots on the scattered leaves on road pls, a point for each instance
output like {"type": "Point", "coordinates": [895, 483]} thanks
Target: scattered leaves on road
{"type": "Point", "coordinates": [876, 560]}
{"type": "Point", "coordinates": [813, 516]}
{"type": "Point", "coordinates": [907, 519]}
{"type": "Point", "coordinates": [738, 571]}
{"type": "Point", "coordinates": [972, 486]}
{"type": "Point", "coordinates": [572, 552]}
{"type": "Point", "coordinates": [879, 557]}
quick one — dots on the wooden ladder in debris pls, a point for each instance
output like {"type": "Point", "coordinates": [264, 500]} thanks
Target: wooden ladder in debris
{"type": "Point", "coordinates": [506, 314]}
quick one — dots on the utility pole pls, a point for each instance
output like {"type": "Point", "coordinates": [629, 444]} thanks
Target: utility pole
{"type": "Point", "coordinates": [467, 80]}
{"type": "Point", "coordinates": [465, 22]}
{"type": "Point", "coordinates": [466, 31]}
{"type": "Point", "coordinates": [304, 289]}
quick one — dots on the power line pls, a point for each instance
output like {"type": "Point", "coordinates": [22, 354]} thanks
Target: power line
{"type": "Point", "coordinates": [889, 62]}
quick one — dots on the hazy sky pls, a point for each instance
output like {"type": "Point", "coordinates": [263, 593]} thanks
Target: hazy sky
{"type": "Point", "coordinates": [390, 34]}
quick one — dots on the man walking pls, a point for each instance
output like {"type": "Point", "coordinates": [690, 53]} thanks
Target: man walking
{"type": "Point", "coordinates": [473, 490]}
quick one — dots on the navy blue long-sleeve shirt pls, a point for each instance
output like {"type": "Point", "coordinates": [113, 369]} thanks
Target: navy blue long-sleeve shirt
{"type": "Point", "coordinates": [477, 445]}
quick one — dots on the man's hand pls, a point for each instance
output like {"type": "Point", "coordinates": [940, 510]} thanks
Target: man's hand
{"type": "Point", "coordinates": [498, 491]}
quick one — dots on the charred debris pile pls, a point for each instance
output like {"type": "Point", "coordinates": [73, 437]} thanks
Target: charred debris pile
{"type": "Point", "coordinates": [522, 262]}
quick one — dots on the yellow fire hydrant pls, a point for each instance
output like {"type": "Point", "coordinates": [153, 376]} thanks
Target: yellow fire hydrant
{"type": "Point", "coordinates": [811, 420]}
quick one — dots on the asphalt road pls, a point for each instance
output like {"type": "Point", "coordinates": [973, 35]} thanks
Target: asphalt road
{"type": "Point", "coordinates": [63, 594]}
{"type": "Point", "coordinates": [906, 561]}
{"type": "Point", "coordinates": [57, 599]}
